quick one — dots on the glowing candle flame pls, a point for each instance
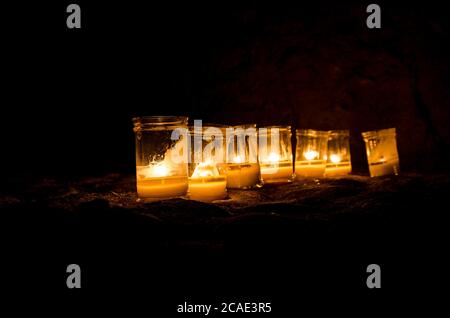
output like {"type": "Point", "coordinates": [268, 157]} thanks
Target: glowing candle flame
{"type": "Point", "coordinates": [335, 158]}
{"type": "Point", "coordinates": [274, 157]}
{"type": "Point", "coordinates": [237, 159]}
{"type": "Point", "coordinates": [159, 170]}
{"type": "Point", "coordinates": [311, 154]}
{"type": "Point", "coordinates": [206, 169]}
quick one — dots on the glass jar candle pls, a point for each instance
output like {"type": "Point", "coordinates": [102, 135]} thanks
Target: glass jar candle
{"type": "Point", "coordinates": [381, 149]}
{"type": "Point", "coordinates": [207, 175]}
{"type": "Point", "coordinates": [275, 154]}
{"type": "Point", "coordinates": [161, 157]}
{"type": "Point", "coordinates": [311, 153]}
{"type": "Point", "coordinates": [338, 154]}
{"type": "Point", "coordinates": [242, 166]}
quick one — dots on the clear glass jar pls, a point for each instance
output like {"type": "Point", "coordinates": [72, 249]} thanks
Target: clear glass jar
{"type": "Point", "coordinates": [275, 154]}
{"type": "Point", "coordinates": [382, 154]}
{"type": "Point", "coordinates": [338, 153]}
{"type": "Point", "coordinates": [242, 166]}
{"type": "Point", "coordinates": [161, 157]}
{"type": "Point", "coordinates": [207, 173]}
{"type": "Point", "coordinates": [311, 153]}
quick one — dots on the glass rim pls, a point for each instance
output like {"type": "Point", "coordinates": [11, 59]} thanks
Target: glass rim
{"type": "Point", "coordinates": [312, 132]}
{"type": "Point", "coordinates": [276, 126]}
{"type": "Point", "coordinates": [345, 132]}
{"type": "Point", "coordinates": [243, 126]}
{"type": "Point", "coordinates": [159, 120]}
{"type": "Point", "coordinates": [379, 132]}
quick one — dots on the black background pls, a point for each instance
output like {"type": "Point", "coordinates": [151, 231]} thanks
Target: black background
{"type": "Point", "coordinates": [68, 97]}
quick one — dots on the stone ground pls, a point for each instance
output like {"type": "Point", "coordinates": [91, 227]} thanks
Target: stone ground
{"type": "Point", "coordinates": [111, 200]}
{"type": "Point", "coordinates": [286, 233]}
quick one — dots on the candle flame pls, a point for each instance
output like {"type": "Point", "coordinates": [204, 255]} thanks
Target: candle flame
{"type": "Point", "coordinates": [335, 158]}
{"type": "Point", "coordinates": [311, 154]}
{"type": "Point", "coordinates": [158, 170]}
{"type": "Point", "coordinates": [274, 157]}
{"type": "Point", "coordinates": [237, 159]}
{"type": "Point", "coordinates": [205, 169]}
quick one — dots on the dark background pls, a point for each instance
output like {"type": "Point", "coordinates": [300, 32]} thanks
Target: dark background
{"type": "Point", "coordinates": [68, 97]}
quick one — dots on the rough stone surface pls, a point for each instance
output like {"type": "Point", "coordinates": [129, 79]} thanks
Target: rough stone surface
{"type": "Point", "coordinates": [311, 233]}
{"type": "Point", "coordinates": [108, 205]}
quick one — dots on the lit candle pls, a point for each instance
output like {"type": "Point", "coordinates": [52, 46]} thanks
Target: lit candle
{"type": "Point", "coordinates": [156, 181]}
{"type": "Point", "coordinates": [275, 154]}
{"type": "Point", "coordinates": [310, 159]}
{"type": "Point", "coordinates": [206, 184]}
{"type": "Point", "coordinates": [336, 167]}
{"type": "Point", "coordinates": [338, 157]}
{"type": "Point", "coordinates": [161, 171]}
{"type": "Point", "coordinates": [275, 170]}
{"type": "Point", "coordinates": [384, 167]}
{"type": "Point", "coordinates": [382, 154]}
{"type": "Point", "coordinates": [312, 166]}
{"type": "Point", "coordinates": [242, 175]}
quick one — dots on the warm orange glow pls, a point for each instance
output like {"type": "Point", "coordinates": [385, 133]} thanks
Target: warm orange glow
{"type": "Point", "coordinates": [206, 169]}
{"type": "Point", "coordinates": [237, 159]}
{"type": "Point", "coordinates": [335, 158]}
{"type": "Point", "coordinates": [311, 155]}
{"type": "Point", "coordinates": [157, 170]}
{"type": "Point", "coordinates": [274, 157]}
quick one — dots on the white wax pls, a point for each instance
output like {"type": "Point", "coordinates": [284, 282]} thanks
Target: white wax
{"type": "Point", "coordinates": [162, 187]}
{"type": "Point", "coordinates": [208, 189]}
{"type": "Point", "coordinates": [311, 168]}
{"type": "Point", "coordinates": [282, 172]}
{"type": "Point", "coordinates": [242, 175]}
{"type": "Point", "coordinates": [384, 168]}
{"type": "Point", "coordinates": [337, 170]}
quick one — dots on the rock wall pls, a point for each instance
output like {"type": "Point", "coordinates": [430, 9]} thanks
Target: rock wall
{"type": "Point", "coordinates": [324, 69]}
